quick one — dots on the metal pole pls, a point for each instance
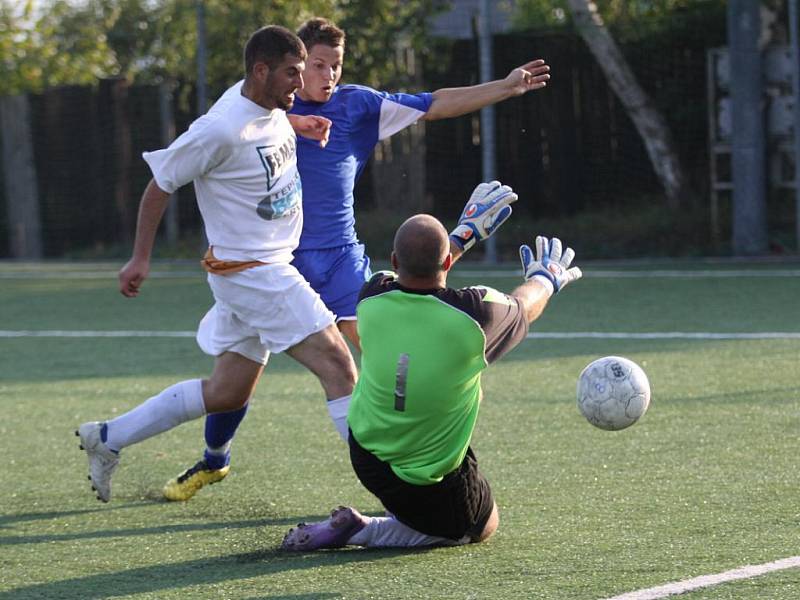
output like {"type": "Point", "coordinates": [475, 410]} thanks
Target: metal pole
{"type": "Point", "coordinates": [795, 49]}
{"type": "Point", "coordinates": [167, 135]}
{"type": "Point", "coordinates": [748, 151]}
{"type": "Point", "coordinates": [487, 114]}
{"type": "Point", "coordinates": [202, 104]}
{"type": "Point", "coordinates": [201, 57]}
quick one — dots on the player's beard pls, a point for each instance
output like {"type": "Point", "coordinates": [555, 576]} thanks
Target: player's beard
{"type": "Point", "coordinates": [284, 99]}
{"type": "Point", "coordinates": [284, 104]}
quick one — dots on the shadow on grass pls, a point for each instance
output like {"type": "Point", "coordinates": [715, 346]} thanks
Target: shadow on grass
{"type": "Point", "coordinates": [9, 540]}
{"type": "Point", "coordinates": [8, 520]}
{"type": "Point", "coordinates": [205, 571]}
{"type": "Point", "coordinates": [316, 596]}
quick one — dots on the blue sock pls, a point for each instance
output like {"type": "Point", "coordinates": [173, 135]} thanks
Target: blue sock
{"type": "Point", "coordinates": [220, 429]}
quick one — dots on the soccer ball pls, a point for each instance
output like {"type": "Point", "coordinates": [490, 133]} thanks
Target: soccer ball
{"type": "Point", "coordinates": [613, 393]}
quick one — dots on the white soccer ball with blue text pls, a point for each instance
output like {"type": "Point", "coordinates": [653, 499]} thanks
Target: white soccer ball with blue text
{"type": "Point", "coordinates": [613, 393]}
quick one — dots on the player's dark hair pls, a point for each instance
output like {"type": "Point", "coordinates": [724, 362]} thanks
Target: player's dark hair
{"type": "Point", "coordinates": [420, 246]}
{"type": "Point", "coordinates": [270, 45]}
{"type": "Point", "coordinates": [320, 31]}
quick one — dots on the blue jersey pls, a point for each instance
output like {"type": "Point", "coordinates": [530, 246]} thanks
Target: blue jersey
{"type": "Point", "coordinates": [361, 118]}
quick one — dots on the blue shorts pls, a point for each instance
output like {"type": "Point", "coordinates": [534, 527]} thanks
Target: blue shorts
{"type": "Point", "coordinates": [337, 275]}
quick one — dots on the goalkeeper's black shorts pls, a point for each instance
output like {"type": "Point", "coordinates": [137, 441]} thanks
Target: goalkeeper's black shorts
{"type": "Point", "coordinates": [458, 506]}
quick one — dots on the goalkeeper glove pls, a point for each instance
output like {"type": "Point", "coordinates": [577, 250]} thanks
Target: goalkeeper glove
{"type": "Point", "coordinates": [487, 209]}
{"type": "Point", "coordinates": [550, 266]}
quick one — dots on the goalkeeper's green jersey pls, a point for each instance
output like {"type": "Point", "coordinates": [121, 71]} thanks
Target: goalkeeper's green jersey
{"type": "Point", "coordinates": [422, 353]}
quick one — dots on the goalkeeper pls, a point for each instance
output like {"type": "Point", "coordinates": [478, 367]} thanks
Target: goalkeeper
{"type": "Point", "coordinates": [416, 402]}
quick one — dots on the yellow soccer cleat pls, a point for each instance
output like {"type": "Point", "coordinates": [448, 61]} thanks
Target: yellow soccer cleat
{"type": "Point", "coordinates": [188, 483]}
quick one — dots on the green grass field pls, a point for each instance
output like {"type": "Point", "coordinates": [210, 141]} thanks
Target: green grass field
{"type": "Point", "coordinates": [706, 482]}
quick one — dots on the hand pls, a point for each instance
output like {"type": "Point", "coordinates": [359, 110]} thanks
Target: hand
{"type": "Point", "coordinates": [312, 126]}
{"type": "Point", "coordinates": [132, 275]}
{"type": "Point", "coordinates": [487, 209]}
{"type": "Point", "coordinates": [531, 76]}
{"type": "Point", "coordinates": [550, 265]}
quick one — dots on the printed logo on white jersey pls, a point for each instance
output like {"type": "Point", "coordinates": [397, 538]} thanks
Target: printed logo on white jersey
{"type": "Point", "coordinates": [283, 203]}
{"type": "Point", "coordinates": [274, 159]}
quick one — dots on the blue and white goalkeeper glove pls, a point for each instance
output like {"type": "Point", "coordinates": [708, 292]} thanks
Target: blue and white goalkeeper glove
{"type": "Point", "coordinates": [550, 266]}
{"type": "Point", "coordinates": [487, 209]}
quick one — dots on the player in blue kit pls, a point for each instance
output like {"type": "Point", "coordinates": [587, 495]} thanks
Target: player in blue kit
{"type": "Point", "coordinates": [330, 255]}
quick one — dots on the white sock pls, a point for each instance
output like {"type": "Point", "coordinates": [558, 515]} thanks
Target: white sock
{"type": "Point", "coordinates": [337, 409]}
{"type": "Point", "coordinates": [388, 532]}
{"type": "Point", "coordinates": [222, 450]}
{"type": "Point", "coordinates": [175, 405]}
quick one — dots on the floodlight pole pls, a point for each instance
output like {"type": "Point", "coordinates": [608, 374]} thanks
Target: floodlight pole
{"type": "Point", "coordinates": [487, 113]}
{"type": "Point", "coordinates": [201, 57]}
{"type": "Point", "coordinates": [795, 62]}
{"type": "Point", "coordinates": [748, 151]}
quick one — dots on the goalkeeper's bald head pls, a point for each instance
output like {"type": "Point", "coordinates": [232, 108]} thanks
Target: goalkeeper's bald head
{"type": "Point", "coordinates": [421, 248]}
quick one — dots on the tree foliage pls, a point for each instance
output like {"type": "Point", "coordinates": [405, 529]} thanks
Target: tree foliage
{"type": "Point", "coordinates": [626, 18]}
{"type": "Point", "coordinates": [379, 35]}
{"type": "Point", "coordinates": [55, 48]}
{"type": "Point", "coordinates": [64, 42]}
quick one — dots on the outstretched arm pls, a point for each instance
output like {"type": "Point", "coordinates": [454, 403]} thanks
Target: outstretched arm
{"type": "Point", "coordinates": [151, 209]}
{"type": "Point", "coordinates": [311, 126]}
{"type": "Point", "coordinates": [456, 250]}
{"type": "Point", "coordinates": [453, 102]}
{"type": "Point", "coordinates": [533, 295]}
{"type": "Point", "coordinates": [546, 273]}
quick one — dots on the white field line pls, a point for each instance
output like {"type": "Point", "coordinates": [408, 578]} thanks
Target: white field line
{"type": "Point", "coordinates": [494, 273]}
{"type": "Point", "coordinates": [680, 587]}
{"type": "Point", "coordinates": [199, 274]}
{"type": "Point", "coordinates": [95, 334]}
{"type": "Point", "coordinates": [557, 335]}
{"type": "Point", "coordinates": [663, 335]}
{"type": "Point", "coordinates": [654, 274]}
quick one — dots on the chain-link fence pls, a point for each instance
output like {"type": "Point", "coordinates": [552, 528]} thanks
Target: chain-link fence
{"type": "Point", "coordinates": [570, 150]}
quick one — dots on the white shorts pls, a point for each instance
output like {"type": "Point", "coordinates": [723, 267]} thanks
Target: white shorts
{"type": "Point", "coordinates": [261, 310]}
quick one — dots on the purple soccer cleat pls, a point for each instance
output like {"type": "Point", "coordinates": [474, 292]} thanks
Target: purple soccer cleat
{"type": "Point", "coordinates": [333, 532]}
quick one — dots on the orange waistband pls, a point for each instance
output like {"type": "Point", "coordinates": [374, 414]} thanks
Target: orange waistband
{"type": "Point", "coordinates": [225, 267]}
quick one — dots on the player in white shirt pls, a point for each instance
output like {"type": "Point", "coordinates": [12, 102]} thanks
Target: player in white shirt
{"type": "Point", "coordinates": [241, 158]}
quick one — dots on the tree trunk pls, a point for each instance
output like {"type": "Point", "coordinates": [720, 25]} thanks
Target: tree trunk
{"type": "Point", "coordinates": [647, 120]}
{"type": "Point", "coordinates": [21, 189]}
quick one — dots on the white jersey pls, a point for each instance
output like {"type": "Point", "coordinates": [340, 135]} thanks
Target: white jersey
{"type": "Point", "coordinates": [242, 160]}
